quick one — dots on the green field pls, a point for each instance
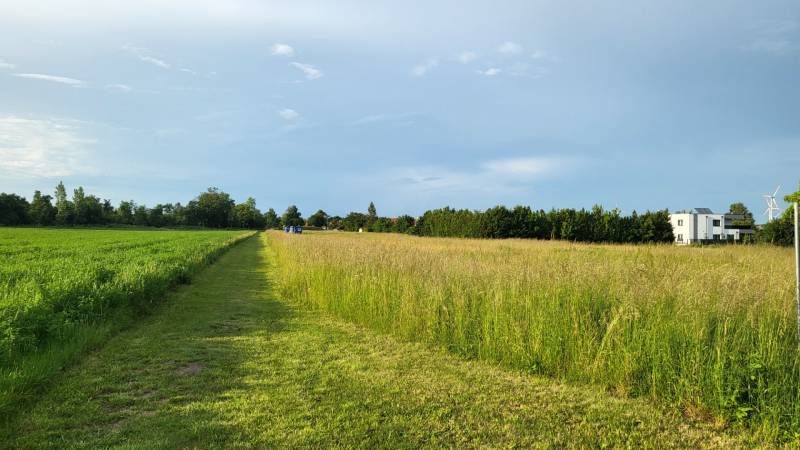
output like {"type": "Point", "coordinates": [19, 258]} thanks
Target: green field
{"type": "Point", "coordinates": [706, 331]}
{"type": "Point", "coordinates": [63, 290]}
{"type": "Point", "coordinates": [227, 363]}
{"type": "Point", "coordinates": [352, 340]}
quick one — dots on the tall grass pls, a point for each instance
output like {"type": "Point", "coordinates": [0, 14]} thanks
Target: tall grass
{"type": "Point", "coordinates": [62, 291]}
{"type": "Point", "coordinates": [709, 330]}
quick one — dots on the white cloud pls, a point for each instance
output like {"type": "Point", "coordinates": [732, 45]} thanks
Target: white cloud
{"type": "Point", "coordinates": [490, 72]}
{"type": "Point", "coordinates": [144, 55]}
{"type": "Point", "coordinates": [423, 68]}
{"type": "Point", "coordinates": [32, 148]}
{"type": "Point", "coordinates": [509, 48]}
{"type": "Point", "coordinates": [6, 65]}
{"type": "Point", "coordinates": [466, 57]}
{"type": "Point", "coordinates": [119, 87]}
{"type": "Point", "coordinates": [53, 78]}
{"type": "Point", "coordinates": [525, 166]}
{"type": "Point", "coordinates": [281, 50]}
{"type": "Point", "coordinates": [189, 71]}
{"type": "Point", "coordinates": [289, 114]}
{"type": "Point", "coordinates": [539, 54]}
{"type": "Point", "coordinates": [496, 176]}
{"type": "Point", "coordinates": [310, 72]}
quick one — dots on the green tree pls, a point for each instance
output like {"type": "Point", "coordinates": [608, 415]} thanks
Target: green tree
{"type": "Point", "coordinates": [318, 219]}
{"type": "Point", "coordinates": [124, 213]}
{"type": "Point", "coordinates": [740, 209]}
{"type": "Point", "coordinates": [372, 212]}
{"type": "Point", "coordinates": [246, 215]}
{"type": "Point", "coordinates": [212, 209]}
{"type": "Point", "coordinates": [64, 210]}
{"type": "Point", "coordinates": [271, 219]}
{"type": "Point", "coordinates": [87, 209]}
{"type": "Point", "coordinates": [41, 210]}
{"type": "Point", "coordinates": [292, 217]}
{"type": "Point", "coordinates": [354, 221]}
{"type": "Point", "coordinates": [13, 209]}
{"type": "Point", "coordinates": [140, 215]}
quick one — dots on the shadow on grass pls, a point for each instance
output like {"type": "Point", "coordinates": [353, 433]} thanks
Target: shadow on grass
{"type": "Point", "coordinates": [165, 381]}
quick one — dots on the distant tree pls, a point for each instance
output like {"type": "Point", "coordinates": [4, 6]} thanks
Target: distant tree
{"type": "Point", "coordinates": [212, 208]}
{"type": "Point", "coordinates": [497, 223]}
{"type": "Point", "coordinates": [155, 216]}
{"type": "Point", "coordinates": [41, 211]}
{"type": "Point", "coordinates": [318, 219]}
{"type": "Point", "coordinates": [13, 209]}
{"type": "Point", "coordinates": [140, 215]}
{"type": "Point", "coordinates": [372, 212]}
{"type": "Point", "coordinates": [354, 221]}
{"type": "Point", "coordinates": [124, 213]}
{"type": "Point", "coordinates": [739, 208]}
{"type": "Point", "coordinates": [64, 210]}
{"type": "Point", "coordinates": [108, 211]}
{"type": "Point", "coordinates": [403, 224]}
{"type": "Point", "coordinates": [292, 217]}
{"type": "Point", "coordinates": [335, 223]}
{"type": "Point", "coordinates": [271, 219]}
{"type": "Point", "coordinates": [87, 209]}
{"type": "Point", "coordinates": [246, 215]}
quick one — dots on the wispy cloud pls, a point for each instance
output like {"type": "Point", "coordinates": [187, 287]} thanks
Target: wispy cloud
{"type": "Point", "coordinates": [289, 114]}
{"type": "Point", "coordinates": [404, 119]}
{"type": "Point", "coordinates": [31, 148]}
{"type": "Point", "coordinates": [119, 87]}
{"type": "Point", "coordinates": [144, 55]}
{"type": "Point", "coordinates": [310, 72]}
{"type": "Point", "coordinates": [52, 78]}
{"type": "Point", "coordinates": [526, 166]}
{"type": "Point", "coordinates": [423, 68]}
{"type": "Point", "coordinates": [775, 37]}
{"type": "Point", "coordinates": [6, 65]}
{"type": "Point", "coordinates": [281, 50]}
{"type": "Point", "coordinates": [466, 57]}
{"type": "Point", "coordinates": [540, 54]}
{"type": "Point", "coordinates": [490, 72]}
{"type": "Point", "coordinates": [509, 48]}
{"type": "Point", "coordinates": [495, 175]}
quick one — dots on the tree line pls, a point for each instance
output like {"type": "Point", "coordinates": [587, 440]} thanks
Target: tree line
{"type": "Point", "coordinates": [211, 209]}
{"type": "Point", "coordinates": [216, 209]}
{"type": "Point", "coordinates": [500, 222]}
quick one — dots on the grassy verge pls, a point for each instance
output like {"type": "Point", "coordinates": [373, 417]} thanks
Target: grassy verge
{"type": "Point", "coordinates": [226, 364]}
{"type": "Point", "coordinates": [707, 331]}
{"type": "Point", "coordinates": [63, 292]}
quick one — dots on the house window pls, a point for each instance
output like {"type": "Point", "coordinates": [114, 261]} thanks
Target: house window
{"type": "Point", "coordinates": [716, 222]}
{"type": "Point", "coordinates": [716, 237]}
{"type": "Point", "coordinates": [680, 222]}
{"type": "Point", "coordinates": [680, 238]}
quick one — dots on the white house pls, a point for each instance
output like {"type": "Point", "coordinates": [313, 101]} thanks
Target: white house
{"type": "Point", "coordinates": [702, 225]}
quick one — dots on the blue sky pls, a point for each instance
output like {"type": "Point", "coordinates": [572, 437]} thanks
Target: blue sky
{"type": "Point", "coordinates": [412, 105]}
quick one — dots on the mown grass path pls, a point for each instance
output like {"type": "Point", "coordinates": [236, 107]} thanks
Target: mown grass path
{"type": "Point", "coordinates": [224, 364]}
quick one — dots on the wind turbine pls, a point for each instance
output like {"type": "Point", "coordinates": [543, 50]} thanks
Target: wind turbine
{"type": "Point", "coordinates": [772, 205]}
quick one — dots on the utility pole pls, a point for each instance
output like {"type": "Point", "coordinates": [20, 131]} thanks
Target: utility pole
{"type": "Point", "coordinates": [797, 260]}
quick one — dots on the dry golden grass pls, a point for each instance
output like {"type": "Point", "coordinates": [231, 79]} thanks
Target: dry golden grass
{"type": "Point", "coordinates": [710, 329]}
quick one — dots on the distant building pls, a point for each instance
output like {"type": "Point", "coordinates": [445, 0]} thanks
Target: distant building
{"type": "Point", "coordinates": [701, 225]}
